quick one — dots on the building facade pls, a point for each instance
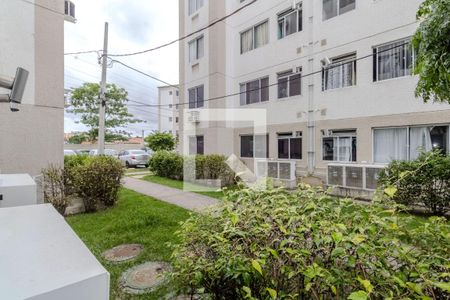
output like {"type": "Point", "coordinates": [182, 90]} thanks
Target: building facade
{"type": "Point", "coordinates": [32, 35]}
{"type": "Point", "coordinates": [334, 77]}
{"type": "Point", "coordinates": [168, 109]}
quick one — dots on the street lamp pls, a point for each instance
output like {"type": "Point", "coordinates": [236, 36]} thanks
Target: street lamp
{"type": "Point", "coordinates": [17, 87]}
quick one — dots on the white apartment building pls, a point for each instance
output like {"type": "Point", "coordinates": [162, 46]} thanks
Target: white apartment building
{"type": "Point", "coordinates": [168, 109]}
{"type": "Point", "coordinates": [334, 77]}
{"type": "Point", "coordinates": [32, 37]}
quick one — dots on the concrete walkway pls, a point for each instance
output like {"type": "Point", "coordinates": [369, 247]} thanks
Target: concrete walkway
{"type": "Point", "coordinates": [187, 200]}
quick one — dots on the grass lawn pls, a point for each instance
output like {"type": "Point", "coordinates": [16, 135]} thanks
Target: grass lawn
{"type": "Point", "coordinates": [135, 219]}
{"type": "Point", "coordinates": [136, 170]}
{"type": "Point", "coordinates": [214, 193]}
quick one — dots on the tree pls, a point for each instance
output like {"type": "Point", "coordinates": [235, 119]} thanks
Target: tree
{"type": "Point", "coordinates": [78, 139]}
{"type": "Point", "coordinates": [85, 102]}
{"type": "Point", "coordinates": [432, 42]}
{"type": "Point", "coordinates": [158, 141]}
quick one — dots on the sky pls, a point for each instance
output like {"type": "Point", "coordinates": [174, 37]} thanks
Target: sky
{"type": "Point", "coordinates": [134, 25]}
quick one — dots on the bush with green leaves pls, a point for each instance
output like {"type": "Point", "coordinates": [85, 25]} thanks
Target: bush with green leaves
{"type": "Point", "coordinates": [272, 244]}
{"type": "Point", "coordinates": [97, 181]}
{"type": "Point", "coordinates": [167, 164]}
{"type": "Point", "coordinates": [54, 187]}
{"type": "Point", "coordinates": [421, 182]}
{"type": "Point", "coordinates": [71, 163]}
{"type": "Point", "coordinates": [159, 141]}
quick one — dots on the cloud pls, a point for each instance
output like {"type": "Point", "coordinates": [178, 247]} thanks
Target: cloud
{"type": "Point", "coordinates": [133, 26]}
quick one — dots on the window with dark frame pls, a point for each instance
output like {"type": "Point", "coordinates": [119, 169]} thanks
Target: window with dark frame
{"type": "Point", "coordinates": [255, 146]}
{"type": "Point", "coordinates": [255, 37]}
{"type": "Point", "coordinates": [196, 145]}
{"type": "Point", "coordinates": [196, 97]}
{"type": "Point", "coordinates": [290, 21]}
{"type": "Point", "coordinates": [333, 8]}
{"type": "Point", "coordinates": [195, 5]}
{"type": "Point", "coordinates": [196, 49]}
{"type": "Point", "coordinates": [254, 91]}
{"type": "Point", "coordinates": [290, 145]}
{"type": "Point", "coordinates": [289, 84]}
{"type": "Point", "coordinates": [393, 60]}
{"type": "Point", "coordinates": [340, 146]}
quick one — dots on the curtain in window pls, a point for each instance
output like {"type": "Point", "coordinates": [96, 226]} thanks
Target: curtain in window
{"type": "Point", "coordinates": [261, 34]}
{"type": "Point", "coordinates": [291, 23]}
{"type": "Point", "coordinates": [247, 41]}
{"type": "Point", "coordinates": [419, 140]}
{"type": "Point", "coordinates": [390, 144]}
{"type": "Point", "coordinates": [347, 74]}
{"type": "Point", "coordinates": [192, 51]}
{"type": "Point", "coordinates": [394, 60]}
{"type": "Point", "coordinates": [261, 146]}
{"type": "Point", "coordinates": [330, 9]}
{"type": "Point", "coordinates": [200, 48]}
{"type": "Point", "coordinates": [333, 77]}
{"type": "Point", "coordinates": [345, 149]}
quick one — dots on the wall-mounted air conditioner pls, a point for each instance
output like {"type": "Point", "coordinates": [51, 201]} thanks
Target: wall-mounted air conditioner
{"type": "Point", "coordinates": [194, 116]}
{"type": "Point", "coordinates": [69, 11]}
{"type": "Point", "coordinates": [353, 176]}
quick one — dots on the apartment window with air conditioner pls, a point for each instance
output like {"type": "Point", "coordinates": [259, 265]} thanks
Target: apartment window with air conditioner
{"type": "Point", "coordinates": [196, 49]}
{"type": "Point", "coordinates": [69, 9]}
{"type": "Point", "coordinates": [333, 8]}
{"type": "Point", "coordinates": [341, 73]}
{"type": "Point", "coordinates": [196, 145]}
{"type": "Point", "coordinates": [254, 91]}
{"type": "Point", "coordinates": [195, 5]}
{"type": "Point", "coordinates": [255, 37]}
{"type": "Point", "coordinates": [196, 95]}
{"type": "Point", "coordinates": [255, 146]}
{"type": "Point", "coordinates": [289, 84]}
{"type": "Point", "coordinates": [290, 21]}
{"type": "Point", "coordinates": [339, 146]}
{"type": "Point", "coordinates": [393, 60]}
{"type": "Point", "coordinates": [406, 143]}
{"type": "Point", "coordinates": [290, 145]}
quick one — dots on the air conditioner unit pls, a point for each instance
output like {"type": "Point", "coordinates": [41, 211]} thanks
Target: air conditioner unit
{"type": "Point", "coordinates": [354, 177]}
{"type": "Point", "coordinates": [69, 11]}
{"type": "Point", "coordinates": [372, 175]}
{"type": "Point", "coordinates": [194, 116]}
{"type": "Point", "coordinates": [281, 170]}
{"type": "Point", "coordinates": [335, 175]}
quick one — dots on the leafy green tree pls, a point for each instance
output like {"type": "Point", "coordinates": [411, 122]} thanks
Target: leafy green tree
{"type": "Point", "coordinates": [85, 102]}
{"type": "Point", "coordinates": [78, 139]}
{"type": "Point", "coordinates": [432, 40]}
{"type": "Point", "coordinates": [158, 141]}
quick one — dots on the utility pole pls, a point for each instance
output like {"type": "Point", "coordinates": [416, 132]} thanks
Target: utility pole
{"type": "Point", "coordinates": [102, 108]}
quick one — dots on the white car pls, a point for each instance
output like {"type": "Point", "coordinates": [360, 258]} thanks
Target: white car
{"type": "Point", "coordinates": [108, 152]}
{"type": "Point", "coordinates": [69, 153]}
{"type": "Point", "coordinates": [134, 158]}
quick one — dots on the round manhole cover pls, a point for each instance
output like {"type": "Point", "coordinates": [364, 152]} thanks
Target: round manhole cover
{"type": "Point", "coordinates": [143, 278]}
{"type": "Point", "coordinates": [123, 252]}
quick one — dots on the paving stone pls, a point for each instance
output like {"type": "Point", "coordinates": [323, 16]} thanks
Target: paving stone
{"type": "Point", "coordinates": [123, 252]}
{"type": "Point", "coordinates": [144, 278]}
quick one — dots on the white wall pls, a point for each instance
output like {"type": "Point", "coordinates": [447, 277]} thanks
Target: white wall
{"type": "Point", "coordinates": [168, 96]}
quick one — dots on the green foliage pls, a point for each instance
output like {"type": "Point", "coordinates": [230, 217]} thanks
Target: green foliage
{"type": "Point", "coordinates": [433, 44]}
{"type": "Point", "coordinates": [78, 139]}
{"type": "Point", "coordinates": [422, 182]}
{"type": "Point", "coordinates": [85, 103]}
{"type": "Point", "coordinates": [54, 188]}
{"type": "Point", "coordinates": [97, 181]}
{"type": "Point", "coordinates": [159, 141]}
{"type": "Point", "coordinates": [71, 163]}
{"type": "Point", "coordinates": [274, 244]}
{"type": "Point", "coordinates": [167, 164]}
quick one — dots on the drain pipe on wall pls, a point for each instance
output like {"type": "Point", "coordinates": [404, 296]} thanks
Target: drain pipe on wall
{"type": "Point", "coordinates": [311, 121]}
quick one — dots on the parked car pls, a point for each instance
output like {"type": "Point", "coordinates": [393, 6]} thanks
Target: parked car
{"type": "Point", "coordinates": [108, 152]}
{"type": "Point", "coordinates": [82, 152]}
{"type": "Point", "coordinates": [134, 158]}
{"type": "Point", "coordinates": [69, 152]}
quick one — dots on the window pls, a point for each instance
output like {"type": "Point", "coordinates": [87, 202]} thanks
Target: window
{"type": "Point", "coordinates": [196, 97]}
{"type": "Point", "coordinates": [176, 119]}
{"type": "Point", "coordinates": [196, 49]}
{"type": "Point", "coordinates": [255, 37]}
{"type": "Point", "coordinates": [195, 5]}
{"type": "Point", "coordinates": [340, 146]}
{"type": "Point", "coordinates": [333, 8]}
{"type": "Point", "coordinates": [170, 119]}
{"type": "Point", "coordinates": [177, 93]}
{"type": "Point", "coordinates": [405, 143]}
{"type": "Point", "coordinates": [393, 60]}
{"type": "Point", "coordinates": [170, 105]}
{"type": "Point", "coordinates": [289, 22]}
{"type": "Point", "coordinates": [289, 84]}
{"type": "Point", "coordinates": [170, 93]}
{"type": "Point", "coordinates": [341, 73]}
{"type": "Point", "coordinates": [290, 145]}
{"type": "Point", "coordinates": [196, 145]}
{"type": "Point", "coordinates": [254, 91]}
{"type": "Point", "coordinates": [255, 146]}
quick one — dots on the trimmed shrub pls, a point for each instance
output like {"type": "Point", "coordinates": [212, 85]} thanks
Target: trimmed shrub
{"type": "Point", "coordinates": [422, 182]}
{"type": "Point", "coordinates": [278, 245]}
{"type": "Point", "coordinates": [97, 181]}
{"type": "Point", "coordinates": [70, 168]}
{"type": "Point", "coordinates": [214, 167]}
{"type": "Point", "coordinates": [54, 188]}
{"type": "Point", "coordinates": [167, 164]}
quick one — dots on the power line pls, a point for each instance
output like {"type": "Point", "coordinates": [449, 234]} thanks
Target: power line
{"type": "Point", "coordinates": [277, 83]}
{"type": "Point", "coordinates": [186, 36]}
{"type": "Point", "coordinates": [83, 52]}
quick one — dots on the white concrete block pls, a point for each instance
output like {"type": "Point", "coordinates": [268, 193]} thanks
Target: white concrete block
{"type": "Point", "coordinates": [41, 257]}
{"type": "Point", "coordinates": [17, 190]}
